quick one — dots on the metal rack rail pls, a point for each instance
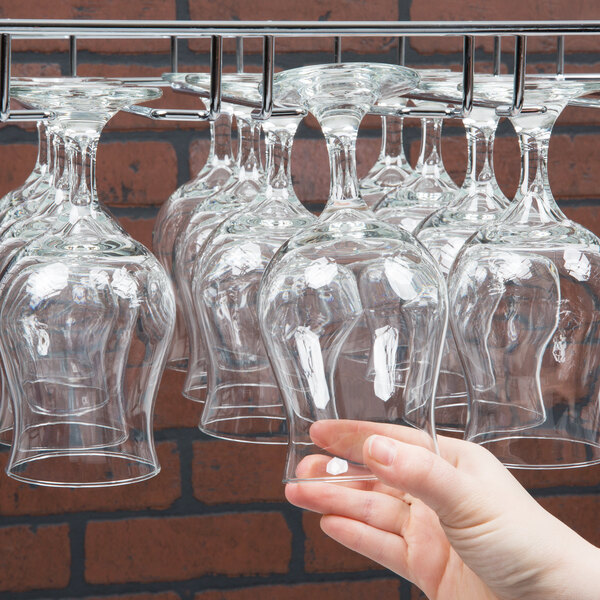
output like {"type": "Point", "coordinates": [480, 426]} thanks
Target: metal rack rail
{"type": "Point", "coordinates": [269, 31]}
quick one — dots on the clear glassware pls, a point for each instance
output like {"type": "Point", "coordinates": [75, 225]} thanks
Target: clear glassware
{"type": "Point", "coordinates": [523, 304]}
{"type": "Point", "coordinates": [391, 169]}
{"type": "Point", "coordinates": [243, 402]}
{"type": "Point", "coordinates": [175, 213]}
{"type": "Point", "coordinates": [349, 284]}
{"type": "Point", "coordinates": [478, 203]}
{"type": "Point", "coordinates": [86, 319]}
{"type": "Point", "coordinates": [245, 183]}
{"type": "Point", "coordinates": [38, 180]}
{"type": "Point", "coordinates": [429, 188]}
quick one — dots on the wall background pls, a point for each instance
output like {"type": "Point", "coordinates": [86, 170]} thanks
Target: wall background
{"type": "Point", "coordinates": [214, 525]}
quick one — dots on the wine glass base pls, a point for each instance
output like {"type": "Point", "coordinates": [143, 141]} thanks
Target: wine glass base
{"type": "Point", "coordinates": [248, 430]}
{"type": "Point", "coordinates": [540, 453]}
{"type": "Point", "coordinates": [82, 470]}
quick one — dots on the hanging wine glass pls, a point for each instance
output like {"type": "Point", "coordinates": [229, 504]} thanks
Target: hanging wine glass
{"type": "Point", "coordinates": [38, 180]}
{"type": "Point", "coordinates": [86, 318]}
{"type": "Point", "coordinates": [523, 298]}
{"type": "Point", "coordinates": [347, 272]}
{"type": "Point", "coordinates": [247, 180]}
{"type": "Point", "coordinates": [478, 202]}
{"type": "Point", "coordinates": [429, 188]}
{"type": "Point", "coordinates": [243, 402]}
{"type": "Point", "coordinates": [391, 169]}
{"type": "Point", "coordinates": [175, 213]}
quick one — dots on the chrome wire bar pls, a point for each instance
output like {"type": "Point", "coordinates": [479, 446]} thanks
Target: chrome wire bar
{"type": "Point", "coordinates": [337, 49]}
{"type": "Point", "coordinates": [73, 29]}
{"type": "Point", "coordinates": [239, 54]}
{"type": "Point", "coordinates": [73, 56]}
{"type": "Point", "coordinates": [174, 54]}
{"type": "Point", "coordinates": [497, 54]}
{"type": "Point", "coordinates": [32, 28]}
{"type": "Point", "coordinates": [560, 58]}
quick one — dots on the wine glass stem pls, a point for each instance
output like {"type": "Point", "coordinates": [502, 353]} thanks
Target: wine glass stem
{"type": "Point", "coordinates": [343, 191]}
{"type": "Point", "coordinates": [534, 162]}
{"type": "Point", "coordinates": [249, 146]}
{"type": "Point", "coordinates": [430, 157]}
{"type": "Point", "coordinates": [480, 163]}
{"type": "Point", "coordinates": [41, 163]}
{"type": "Point", "coordinates": [278, 150]}
{"type": "Point", "coordinates": [220, 139]}
{"type": "Point", "coordinates": [392, 144]}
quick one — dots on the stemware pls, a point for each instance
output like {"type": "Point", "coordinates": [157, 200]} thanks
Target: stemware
{"type": "Point", "coordinates": [478, 202]}
{"type": "Point", "coordinates": [524, 312]}
{"type": "Point", "coordinates": [243, 402]}
{"type": "Point", "coordinates": [175, 213]}
{"type": "Point", "coordinates": [429, 187]}
{"type": "Point", "coordinates": [391, 169]}
{"type": "Point", "coordinates": [86, 318]}
{"type": "Point", "coordinates": [39, 179]}
{"type": "Point", "coordinates": [348, 283]}
{"type": "Point", "coordinates": [244, 187]}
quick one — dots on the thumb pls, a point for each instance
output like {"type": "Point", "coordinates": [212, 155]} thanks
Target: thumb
{"type": "Point", "coordinates": [422, 474]}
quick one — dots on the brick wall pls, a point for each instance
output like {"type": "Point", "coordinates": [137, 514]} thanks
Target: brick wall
{"type": "Point", "coordinates": [214, 524]}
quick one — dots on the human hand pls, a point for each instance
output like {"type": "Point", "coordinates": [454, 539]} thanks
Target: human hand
{"type": "Point", "coordinates": [457, 525]}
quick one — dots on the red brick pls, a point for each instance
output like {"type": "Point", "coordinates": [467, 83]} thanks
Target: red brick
{"type": "Point", "coordinates": [381, 589]}
{"type": "Point", "coordinates": [226, 472]}
{"type": "Point", "coordinates": [16, 163]}
{"type": "Point", "coordinates": [589, 217]}
{"type": "Point", "coordinates": [136, 173]}
{"type": "Point", "coordinates": [90, 9]}
{"type": "Point", "coordinates": [161, 596]}
{"type": "Point", "coordinates": [322, 554]}
{"type": "Point", "coordinates": [578, 512]}
{"type": "Point", "coordinates": [34, 558]}
{"type": "Point", "coordinates": [311, 10]}
{"type": "Point", "coordinates": [511, 10]}
{"type": "Point", "coordinates": [172, 409]}
{"type": "Point", "coordinates": [139, 229]}
{"type": "Point", "coordinates": [157, 493]}
{"type": "Point", "coordinates": [181, 548]}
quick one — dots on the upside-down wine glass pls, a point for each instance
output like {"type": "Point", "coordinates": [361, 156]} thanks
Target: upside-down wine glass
{"type": "Point", "coordinates": [245, 183]}
{"type": "Point", "coordinates": [391, 169]}
{"type": "Point", "coordinates": [86, 318]}
{"type": "Point", "coordinates": [429, 187]}
{"type": "Point", "coordinates": [478, 203]}
{"type": "Point", "coordinates": [243, 402]}
{"type": "Point", "coordinates": [524, 309]}
{"type": "Point", "coordinates": [175, 213]}
{"type": "Point", "coordinates": [38, 180]}
{"type": "Point", "coordinates": [349, 272]}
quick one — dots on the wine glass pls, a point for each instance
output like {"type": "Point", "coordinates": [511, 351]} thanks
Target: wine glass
{"type": "Point", "coordinates": [349, 284]}
{"type": "Point", "coordinates": [86, 318]}
{"type": "Point", "coordinates": [175, 213]}
{"type": "Point", "coordinates": [429, 188]}
{"type": "Point", "coordinates": [245, 184]}
{"type": "Point", "coordinates": [523, 305]}
{"type": "Point", "coordinates": [38, 180]}
{"type": "Point", "coordinates": [243, 402]}
{"type": "Point", "coordinates": [391, 169]}
{"type": "Point", "coordinates": [478, 203]}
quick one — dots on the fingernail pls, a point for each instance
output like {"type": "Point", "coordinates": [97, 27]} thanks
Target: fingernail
{"type": "Point", "coordinates": [382, 450]}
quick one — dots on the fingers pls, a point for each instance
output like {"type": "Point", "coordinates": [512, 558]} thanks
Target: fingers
{"type": "Point", "coordinates": [315, 466]}
{"type": "Point", "coordinates": [346, 438]}
{"type": "Point", "coordinates": [421, 473]}
{"type": "Point", "coordinates": [380, 510]}
{"type": "Point", "coordinates": [387, 549]}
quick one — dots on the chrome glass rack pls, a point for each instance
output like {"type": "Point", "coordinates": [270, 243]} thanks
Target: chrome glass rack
{"type": "Point", "coordinates": [268, 31]}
